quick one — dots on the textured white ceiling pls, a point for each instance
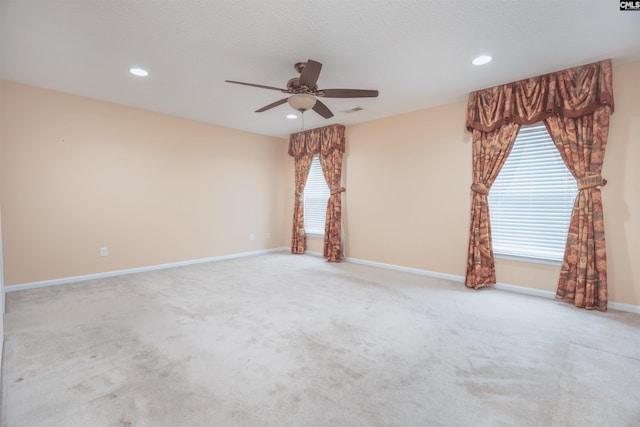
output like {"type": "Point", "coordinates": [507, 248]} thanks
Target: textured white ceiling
{"type": "Point", "coordinates": [416, 53]}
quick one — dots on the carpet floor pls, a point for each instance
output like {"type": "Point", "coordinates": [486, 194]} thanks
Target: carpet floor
{"type": "Point", "coordinates": [283, 340]}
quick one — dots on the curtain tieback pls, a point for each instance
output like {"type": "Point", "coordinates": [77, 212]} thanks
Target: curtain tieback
{"type": "Point", "coordinates": [591, 181]}
{"type": "Point", "coordinates": [480, 188]}
{"type": "Point", "coordinates": [336, 190]}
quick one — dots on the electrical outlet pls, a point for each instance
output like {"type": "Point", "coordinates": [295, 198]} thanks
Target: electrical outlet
{"type": "Point", "coordinates": [104, 251]}
{"type": "Point", "coordinates": [268, 236]}
{"type": "Point", "coordinates": [251, 236]}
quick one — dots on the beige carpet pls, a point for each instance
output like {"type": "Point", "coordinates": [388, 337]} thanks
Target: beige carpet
{"type": "Point", "coordinates": [284, 340]}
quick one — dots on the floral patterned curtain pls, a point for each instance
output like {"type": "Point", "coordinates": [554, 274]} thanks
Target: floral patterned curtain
{"type": "Point", "coordinates": [331, 154]}
{"type": "Point", "coordinates": [298, 236]}
{"type": "Point", "coordinates": [575, 104]}
{"type": "Point", "coordinates": [329, 144]}
{"type": "Point", "coordinates": [582, 142]}
{"type": "Point", "coordinates": [490, 151]}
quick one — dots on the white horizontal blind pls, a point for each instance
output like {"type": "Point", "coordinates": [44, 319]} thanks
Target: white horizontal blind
{"type": "Point", "coordinates": [532, 199]}
{"type": "Point", "coordinates": [316, 196]}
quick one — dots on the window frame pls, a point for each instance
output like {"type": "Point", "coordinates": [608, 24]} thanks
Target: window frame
{"type": "Point", "coordinates": [519, 167]}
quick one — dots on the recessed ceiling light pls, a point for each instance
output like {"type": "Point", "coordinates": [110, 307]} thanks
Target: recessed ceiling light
{"type": "Point", "coordinates": [292, 116]}
{"type": "Point", "coordinates": [481, 60]}
{"type": "Point", "coordinates": [139, 72]}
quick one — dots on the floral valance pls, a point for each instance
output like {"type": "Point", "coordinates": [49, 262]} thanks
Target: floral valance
{"type": "Point", "coordinates": [573, 92]}
{"type": "Point", "coordinates": [314, 141]}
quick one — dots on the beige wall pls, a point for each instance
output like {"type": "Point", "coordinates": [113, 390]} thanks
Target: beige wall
{"type": "Point", "coordinates": [78, 174]}
{"type": "Point", "coordinates": [407, 179]}
{"type": "Point", "coordinates": [407, 201]}
{"type": "Point", "coordinates": [622, 194]}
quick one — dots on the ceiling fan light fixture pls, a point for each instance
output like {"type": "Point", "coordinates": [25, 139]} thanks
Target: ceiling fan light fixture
{"type": "Point", "coordinates": [302, 101]}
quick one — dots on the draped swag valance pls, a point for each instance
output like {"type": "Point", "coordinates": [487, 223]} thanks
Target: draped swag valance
{"type": "Point", "coordinates": [574, 92]}
{"type": "Point", "coordinates": [315, 141]}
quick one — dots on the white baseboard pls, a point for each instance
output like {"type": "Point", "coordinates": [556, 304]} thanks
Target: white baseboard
{"type": "Point", "coordinates": [624, 307]}
{"type": "Point", "coordinates": [526, 291]}
{"type": "Point", "coordinates": [501, 286]}
{"type": "Point", "coordinates": [407, 269]}
{"type": "Point", "coordinates": [552, 295]}
{"type": "Point", "coordinates": [313, 253]}
{"type": "Point", "coordinates": [65, 280]}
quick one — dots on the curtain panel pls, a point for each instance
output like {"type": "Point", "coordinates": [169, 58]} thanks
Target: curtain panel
{"type": "Point", "coordinates": [490, 152]}
{"type": "Point", "coordinates": [298, 236]}
{"type": "Point", "coordinates": [575, 105]}
{"type": "Point", "coordinates": [582, 142]}
{"type": "Point", "coordinates": [329, 144]}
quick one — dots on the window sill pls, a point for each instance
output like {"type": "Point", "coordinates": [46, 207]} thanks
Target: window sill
{"type": "Point", "coordinates": [527, 259]}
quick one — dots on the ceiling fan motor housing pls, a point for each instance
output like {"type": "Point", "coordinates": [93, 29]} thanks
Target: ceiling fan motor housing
{"type": "Point", "coordinates": [294, 86]}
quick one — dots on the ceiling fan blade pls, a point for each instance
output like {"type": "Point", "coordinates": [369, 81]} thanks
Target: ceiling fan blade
{"type": "Point", "coordinates": [255, 85]}
{"type": "Point", "coordinates": [347, 93]}
{"type": "Point", "coordinates": [310, 73]}
{"type": "Point", "coordinates": [322, 109]}
{"type": "Point", "coordinates": [273, 104]}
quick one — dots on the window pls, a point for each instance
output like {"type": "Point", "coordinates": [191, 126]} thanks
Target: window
{"type": "Point", "coordinates": [316, 196]}
{"type": "Point", "coordinates": [532, 199]}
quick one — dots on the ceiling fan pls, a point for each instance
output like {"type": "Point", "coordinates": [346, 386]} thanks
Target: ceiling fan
{"type": "Point", "coordinates": [304, 91]}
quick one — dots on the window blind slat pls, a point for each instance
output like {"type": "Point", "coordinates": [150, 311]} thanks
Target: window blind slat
{"type": "Point", "coordinates": [316, 196]}
{"type": "Point", "coordinates": [532, 199]}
